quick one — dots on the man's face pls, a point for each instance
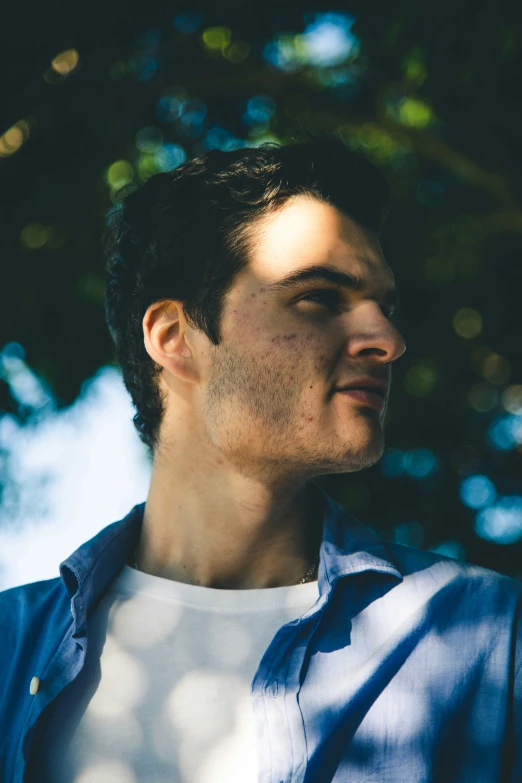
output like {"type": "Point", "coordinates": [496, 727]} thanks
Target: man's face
{"type": "Point", "coordinates": [269, 399]}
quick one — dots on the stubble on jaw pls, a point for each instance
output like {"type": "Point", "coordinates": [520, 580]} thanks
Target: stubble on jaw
{"type": "Point", "coordinates": [253, 414]}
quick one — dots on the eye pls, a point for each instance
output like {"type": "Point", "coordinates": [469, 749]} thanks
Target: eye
{"type": "Point", "coordinates": [388, 311]}
{"type": "Point", "coordinates": [326, 296]}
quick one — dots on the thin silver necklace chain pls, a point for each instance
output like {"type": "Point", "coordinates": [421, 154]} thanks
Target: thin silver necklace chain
{"type": "Point", "coordinates": [305, 578]}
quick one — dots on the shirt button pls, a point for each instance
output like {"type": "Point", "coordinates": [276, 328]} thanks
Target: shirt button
{"type": "Point", "coordinates": [35, 684]}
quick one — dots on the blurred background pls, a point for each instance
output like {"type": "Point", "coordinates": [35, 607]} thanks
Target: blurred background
{"type": "Point", "coordinates": [98, 98]}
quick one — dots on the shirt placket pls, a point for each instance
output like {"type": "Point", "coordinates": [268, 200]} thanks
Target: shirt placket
{"type": "Point", "coordinates": [62, 669]}
{"type": "Point", "coordinates": [279, 721]}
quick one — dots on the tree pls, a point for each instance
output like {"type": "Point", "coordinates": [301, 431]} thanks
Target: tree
{"type": "Point", "coordinates": [428, 91]}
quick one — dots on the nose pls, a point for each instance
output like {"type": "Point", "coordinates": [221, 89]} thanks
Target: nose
{"type": "Point", "coordinates": [375, 335]}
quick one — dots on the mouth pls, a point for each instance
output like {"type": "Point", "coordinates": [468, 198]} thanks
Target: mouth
{"type": "Point", "coordinates": [369, 397]}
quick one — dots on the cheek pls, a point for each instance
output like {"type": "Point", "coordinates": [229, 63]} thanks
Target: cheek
{"type": "Point", "coordinates": [286, 347]}
{"type": "Point", "coordinates": [305, 347]}
{"type": "Point", "coordinates": [297, 358]}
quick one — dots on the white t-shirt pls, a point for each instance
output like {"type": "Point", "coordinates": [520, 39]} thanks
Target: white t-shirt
{"type": "Point", "coordinates": [164, 696]}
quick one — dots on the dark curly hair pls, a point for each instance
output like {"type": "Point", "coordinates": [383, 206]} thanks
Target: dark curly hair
{"type": "Point", "coordinates": [185, 234]}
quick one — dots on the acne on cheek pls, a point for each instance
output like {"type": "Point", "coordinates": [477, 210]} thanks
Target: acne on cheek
{"type": "Point", "coordinates": [304, 341]}
{"type": "Point", "coordinates": [305, 420]}
{"type": "Point", "coordinates": [282, 338]}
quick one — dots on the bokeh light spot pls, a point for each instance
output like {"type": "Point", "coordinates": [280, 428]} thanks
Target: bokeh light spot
{"type": "Point", "coordinates": [217, 137]}
{"type": "Point", "coordinates": [119, 174]}
{"type": "Point", "coordinates": [376, 141]}
{"type": "Point", "coordinates": [501, 523]}
{"type": "Point", "coordinates": [417, 463]}
{"type": "Point", "coordinates": [168, 156]}
{"type": "Point", "coordinates": [328, 39]}
{"type": "Point", "coordinates": [505, 433]}
{"type": "Point", "coordinates": [286, 52]}
{"type": "Point", "coordinates": [496, 369]}
{"type": "Point", "coordinates": [193, 118]}
{"type": "Point", "coordinates": [237, 52]}
{"type": "Point", "coordinates": [420, 463]}
{"type": "Point", "coordinates": [13, 138]}
{"type": "Point", "coordinates": [187, 22]}
{"type": "Point", "coordinates": [217, 37]}
{"type": "Point", "coordinates": [65, 62]}
{"type": "Point", "coordinates": [392, 463]}
{"type": "Point", "coordinates": [143, 68]}
{"type": "Point", "coordinates": [420, 380]}
{"type": "Point", "coordinates": [483, 397]}
{"type": "Point", "coordinates": [147, 166]}
{"type": "Point", "coordinates": [467, 322]}
{"type": "Point", "coordinates": [414, 66]}
{"type": "Point", "coordinates": [148, 139]}
{"type": "Point", "coordinates": [512, 399]}
{"type": "Point", "coordinates": [169, 108]}
{"type": "Point", "coordinates": [410, 112]}
{"type": "Point", "coordinates": [35, 235]}
{"type": "Point", "coordinates": [477, 491]}
{"type": "Point", "coordinates": [259, 110]}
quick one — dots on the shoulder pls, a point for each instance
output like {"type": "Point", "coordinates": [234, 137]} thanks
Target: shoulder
{"type": "Point", "coordinates": [27, 608]}
{"type": "Point", "coordinates": [27, 593]}
{"type": "Point", "coordinates": [476, 585]}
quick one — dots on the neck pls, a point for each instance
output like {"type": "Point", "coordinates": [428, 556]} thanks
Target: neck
{"type": "Point", "coordinates": [228, 534]}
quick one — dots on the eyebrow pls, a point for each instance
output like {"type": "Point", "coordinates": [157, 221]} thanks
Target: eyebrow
{"type": "Point", "coordinates": [320, 273]}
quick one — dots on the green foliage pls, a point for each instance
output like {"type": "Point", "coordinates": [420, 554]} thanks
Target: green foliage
{"type": "Point", "coordinates": [431, 92]}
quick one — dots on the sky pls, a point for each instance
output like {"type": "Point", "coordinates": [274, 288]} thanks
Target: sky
{"type": "Point", "coordinates": [73, 471]}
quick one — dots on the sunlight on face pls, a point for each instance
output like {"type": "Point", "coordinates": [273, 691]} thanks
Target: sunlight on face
{"type": "Point", "coordinates": [270, 398]}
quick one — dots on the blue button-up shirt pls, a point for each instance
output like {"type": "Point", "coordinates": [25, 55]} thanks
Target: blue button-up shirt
{"type": "Point", "coordinates": [407, 669]}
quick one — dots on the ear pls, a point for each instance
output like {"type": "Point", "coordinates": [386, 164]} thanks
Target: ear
{"type": "Point", "coordinates": [167, 338]}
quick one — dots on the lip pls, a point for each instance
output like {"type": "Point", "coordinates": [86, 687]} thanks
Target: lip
{"type": "Point", "coordinates": [373, 399]}
{"type": "Point", "coordinates": [367, 383]}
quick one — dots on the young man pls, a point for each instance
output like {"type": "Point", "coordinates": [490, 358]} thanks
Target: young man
{"type": "Point", "coordinates": [240, 625]}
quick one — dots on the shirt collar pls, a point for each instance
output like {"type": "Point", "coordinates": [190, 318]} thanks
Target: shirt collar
{"type": "Point", "coordinates": [347, 547]}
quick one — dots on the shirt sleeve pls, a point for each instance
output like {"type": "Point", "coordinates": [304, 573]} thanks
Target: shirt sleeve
{"type": "Point", "coordinates": [516, 766]}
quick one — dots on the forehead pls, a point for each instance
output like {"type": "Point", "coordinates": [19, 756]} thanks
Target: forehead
{"type": "Point", "coordinates": [305, 232]}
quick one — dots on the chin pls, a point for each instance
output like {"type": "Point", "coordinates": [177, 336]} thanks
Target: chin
{"type": "Point", "coordinates": [367, 455]}
{"type": "Point", "coordinates": [347, 459]}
